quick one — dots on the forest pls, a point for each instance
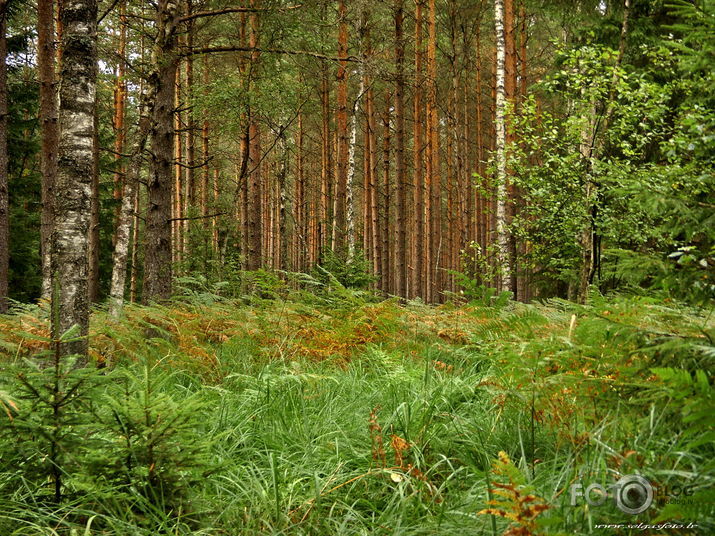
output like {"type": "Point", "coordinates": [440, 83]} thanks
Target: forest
{"type": "Point", "coordinates": [400, 267]}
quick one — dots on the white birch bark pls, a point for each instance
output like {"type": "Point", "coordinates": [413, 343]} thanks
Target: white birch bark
{"type": "Point", "coordinates": [500, 123]}
{"type": "Point", "coordinates": [78, 76]}
{"type": "Point", "coordinates": [350, 216]}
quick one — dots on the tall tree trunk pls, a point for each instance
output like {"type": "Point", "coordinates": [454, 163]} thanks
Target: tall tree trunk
{"type": "Point", "coordinates": [134, 271]}
{"type": "Point", "coordinates": [255, 183]}
{"type": "Point", "coordinates": [350, 212]}
{"type": "Point", "coordinates": [419, 277]}
{"type": "Point", "coordinates": [205, 170]}
{"type": "Point", "coordinates": [4, 193]}
{"type": "Point", "coordinates": [120, 98]}
{"type": "Point", "coordinates": [433, 161]}
{"type": "Point", "coordinates": [178, 198]}
{"type": "Point", "coordinates": [49, 132]}
{"type": "Point", "coordinates": [128, 211]}
{"type": "Point", "coordinates": [93, 283]}
{"type": "Point", "coordinates": [386, 253]}
{"type": "Point", "coordinates": [503, 263]}
{"type": "Point", "coordinates": [510, 91]}
{"type": "Point", "coordinates": [339, 217]}
{"type": "Point", "coordinates": [157, 261]}
{"type": "Point", "coordinates": [301, 241]}
{"type": "Point", "coordinates": [78, 78]}
{"type": "Point", "coordinates": [400, 175]}
{"type": "Point", "coordinates": [325, 163]}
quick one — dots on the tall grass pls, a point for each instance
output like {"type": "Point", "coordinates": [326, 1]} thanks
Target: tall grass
{"type": "Point", "coordinates": [342, 416]}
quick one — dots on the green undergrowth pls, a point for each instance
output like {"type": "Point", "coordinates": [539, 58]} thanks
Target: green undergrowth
{"type": "Point", "coordinates": [351, 416]}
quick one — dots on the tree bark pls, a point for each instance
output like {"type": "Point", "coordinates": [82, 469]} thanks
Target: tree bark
{"type": "Point", "coordinates": [93, 283]}
{"type": "Point", "coordinates": [49, 133]}
{"type": "Point", "coordinates": [386, 250]}
{"type": "Point", "coordinates": [504, 267]}
{"type": "Point", "coordinates": [127, 213]}
{"type": "Point", "coordinates": [339, 217]}
{"type": "Point", "coordinates": [255, 184]}
{"type": "Point", "coordinates": [400, 175]}
{"type": "Point", "coordinates": [4, 193]}
{"type": "Point", "coordinates": [78, 76]}
{"type": "Point", "coordinates": [433, 162]}
{"type": "Point", "coordinates": [418, 274]}
{"type": "Point", "coordinates": [157, 262]}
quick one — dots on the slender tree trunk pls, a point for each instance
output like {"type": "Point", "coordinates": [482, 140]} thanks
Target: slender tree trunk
{"type": "Point", "coordinates": [205, 170]}
{"type": "Point", "coordinates": [177, 224]}
{"type": "Point", "coordinates": [420, 247]}
{"type": "Point", "coordinates": [93, 238]}
{"type": "Point", "coordinates": [500, 123]}
{"type": "Point", "coordinates": [49, 132]}
{"type": "Point", "coordinates": [120, 94]}
{"type": "Point", "coordinates": [589, 240]}
{"type": "Point", "coordinates": [350, 213]}
{"type": "Point", "coordinates": [301, 243]}
{"type": "Point", "coordinates": [400, 175]}
{"type": "Point", "coordinates": [339, 217]}
{"type": "Point", "coordinates": [72, 199]}
{"type": "Point", "coordinates": [4, 194]}
{"type": "Point", "coordinates": [325, 163]}
{"type": "Point", "coordinates": [127, 213]}
{"type": "Point", "coordinates": [386, 253]}
{"type": "Point", "coordinates": [157, 261]}
{"type": "Point", "coordinates": [433, 161]}
{"type": "Point", "coordinates": [255, 184]}
{"type": "Point", "coordinates": [134, 271]}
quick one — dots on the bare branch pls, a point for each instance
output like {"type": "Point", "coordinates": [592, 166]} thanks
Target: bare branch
{"type": "Point", "coordinates": [214, 13]}
{"type": "Point", "coordinates": [212, 50]}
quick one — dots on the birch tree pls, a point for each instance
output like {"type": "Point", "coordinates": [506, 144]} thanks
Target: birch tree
{"type": "Point", "coordinates": [78, 78]}
{"type": "Point", "coordinates": [500, 123]}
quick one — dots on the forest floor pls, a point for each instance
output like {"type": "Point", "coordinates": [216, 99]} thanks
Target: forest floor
{"type": "Point", "coordinates": [340, 415]}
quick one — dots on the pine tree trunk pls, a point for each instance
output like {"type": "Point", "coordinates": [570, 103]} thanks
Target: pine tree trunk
{"type": "Point", "coordinates": [4, 193]}
{"type": "Point", "coordinates": [78, 78]}
{"type": "Point", "coordinates": [400, 269]}
{"type": "Point", "coordinates": [418, 274]}
{"type": "Point", "coordinates": [255, 185]}
{"type": "Point", "coordinates": [157, 251]}
{"type": "Point", "coordinates": [510, 90]}
{"type": "Point", "coordinates": [433, 162]}
{"type": "Point", "coordinates": [386, 250]}
{"type": "Point", "coordinates": [49, 133]}
{"type": "Point", "coordinates": [325, 163]}
{"type": "Point", "coordinates": [120, 93]}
